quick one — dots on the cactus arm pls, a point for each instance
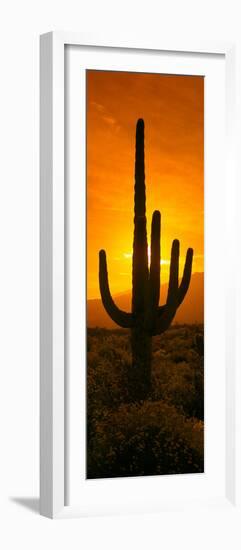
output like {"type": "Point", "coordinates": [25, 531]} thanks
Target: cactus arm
{"type": "Point", "coordinates": [155, 260]}
{"type": "Point", "coordinates": [176, 294]}
{"type": "Point", "coordinates": [165, 314]}
{"type": "Point", "coordinates": [120, 317]}
{"type": "Point", "coordinates": [172, 295]}
{"type": "Point", "coordinates": [140, 258]}
{"type": "Point", "coordinates": [163, 320]}
{"type": "Point", "coordinates": [183, 288]}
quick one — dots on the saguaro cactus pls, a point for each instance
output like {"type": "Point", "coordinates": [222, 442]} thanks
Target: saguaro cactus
{"type": "Point", "coordinates": [147, 317]}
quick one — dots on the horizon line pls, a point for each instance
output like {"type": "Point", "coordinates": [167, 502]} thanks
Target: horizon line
{"type": "Point", "coordinates": [129, 289]}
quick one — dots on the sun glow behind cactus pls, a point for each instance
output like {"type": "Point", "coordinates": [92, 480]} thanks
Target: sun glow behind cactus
{"type": "Point", "coordinates": [172, 107]}
{"type": "Point", "coordinates": [128, 256]}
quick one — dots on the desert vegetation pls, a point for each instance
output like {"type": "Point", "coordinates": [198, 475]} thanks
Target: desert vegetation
{"type": "Point", "coordinates": [160, 434]}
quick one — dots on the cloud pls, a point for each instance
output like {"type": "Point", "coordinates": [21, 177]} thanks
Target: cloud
{"type": "Point", "coordinates": [97, 106]}
{"type": "Point", "coordinates": [109, 120]}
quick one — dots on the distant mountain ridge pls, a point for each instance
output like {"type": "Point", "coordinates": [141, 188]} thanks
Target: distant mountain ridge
{"type": "Point", "coordinates": [191, 311]}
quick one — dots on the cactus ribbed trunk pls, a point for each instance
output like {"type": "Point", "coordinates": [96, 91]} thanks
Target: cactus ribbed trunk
{"type": "Point", "coordinates": [147, 318]}
{"type": "Point", "coordinates": [140, 375]}
{"type": "Point", "coordinates": [140, 338]}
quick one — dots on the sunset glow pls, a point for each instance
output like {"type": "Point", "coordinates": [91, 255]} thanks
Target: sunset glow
{"type": "Point", "coordinates": [172, 108]}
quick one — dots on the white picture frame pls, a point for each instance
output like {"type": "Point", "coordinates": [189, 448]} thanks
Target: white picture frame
{"type": "Point", "coordinates": [53, 434]}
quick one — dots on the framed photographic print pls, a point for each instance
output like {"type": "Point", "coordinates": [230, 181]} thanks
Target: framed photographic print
{"type": "Point", "coordinates": [138, 396]}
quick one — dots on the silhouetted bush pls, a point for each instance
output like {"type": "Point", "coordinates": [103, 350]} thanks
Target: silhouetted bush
{"type": "Point", "coordinates": [163, 434]}
{"type": "Point", "coordinates": [145, 439]}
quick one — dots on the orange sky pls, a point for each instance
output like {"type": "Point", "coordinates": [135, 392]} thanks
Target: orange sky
{"type": "Point", "coordinates": [173, 110]}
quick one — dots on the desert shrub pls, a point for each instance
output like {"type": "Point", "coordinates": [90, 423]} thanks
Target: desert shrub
{"type": "Point", "coordinates": [180, 384]}
{"type": "Point", "coordinates": [161, 435]}
{"type": "Point", "coordinates": [108, 363]}
{"type": "Point", "coordinates": [150, 438]}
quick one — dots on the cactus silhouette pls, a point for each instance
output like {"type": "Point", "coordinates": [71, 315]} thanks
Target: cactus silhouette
{"type": "Point", "coordinates": [147, 317]}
